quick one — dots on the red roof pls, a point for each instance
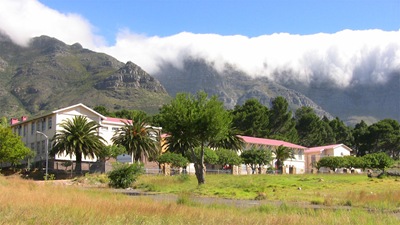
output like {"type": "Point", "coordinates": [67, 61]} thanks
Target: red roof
{"type": "Point", "coordinates": [270, 142]}
{"type": "Point", "coordinates": [321, 148]}
{"type": "Point", "coordinates": [117, 120]}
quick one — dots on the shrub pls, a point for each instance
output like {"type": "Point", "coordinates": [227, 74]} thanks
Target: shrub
{"type": "Point", "coordinates": [123, 175]}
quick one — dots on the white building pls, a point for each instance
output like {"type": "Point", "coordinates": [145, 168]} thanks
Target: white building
{"type": "Point", "coordinates": [313, 155]}
{"type": "Point", "coordinates": [295, 165]}
{"type": "Point", "coordinates": [49, 124]}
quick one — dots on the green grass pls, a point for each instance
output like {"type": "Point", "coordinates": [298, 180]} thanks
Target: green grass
{"type": "Point", "coordinates": [327, 189]}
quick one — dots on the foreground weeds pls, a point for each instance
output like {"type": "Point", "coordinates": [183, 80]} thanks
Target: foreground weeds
{"type": "Point", "coordinates": [29, 202]}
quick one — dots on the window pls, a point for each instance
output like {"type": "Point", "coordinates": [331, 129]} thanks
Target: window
{"type": "Point", "coordinates": [115, 128]}
{"type": "Point", "coordinates": [43, 147]}
{"type": "Point", "coordinates": [104, 128]}
{"type": "Point", "coordinates": [49, 123]}
{"type": "Point", "coordinates": [19, 130]}
{"type": "Point", "coordinates": [32, 146]}
{"type": "Point", "coordinates": [38, 125]}
{"type": "Point", "coordinates": [38, 147]}
{"type": "Point", "coordinates": [43, 124]}
{"type": "Point", "coordinates": [32, 128]}
{"type": "Point", "coordinates": [25, 129]}
{"type": "Point", "coordinates": [300, 154]}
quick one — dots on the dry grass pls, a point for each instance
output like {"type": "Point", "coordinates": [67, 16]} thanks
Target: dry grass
{"type": "Point", "coordinates": [28, 202]}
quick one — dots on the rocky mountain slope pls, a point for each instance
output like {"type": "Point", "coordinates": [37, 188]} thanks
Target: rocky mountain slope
{"type": "Point", "coordinates": [49, 74]}
{"type": "Point", "coordinates": [369, 102]}
{"type": "Point", "coordinates": [232, 86]}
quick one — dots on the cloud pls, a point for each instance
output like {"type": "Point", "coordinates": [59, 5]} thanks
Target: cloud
{"type": "Point", "coordinates": [24, 19]}
{"type": "Point", "coordinates": [345, 58]}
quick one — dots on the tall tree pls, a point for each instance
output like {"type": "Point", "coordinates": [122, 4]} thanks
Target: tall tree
{"type": "Point", "coordinates": [311, 129]}
{"type": "Point", "coordinates": [194, 121]}
{"type": "Point", "coordinates": [282, 126]}
{"type": "Point", "coordinates": [12, 149]}
{"type": "Point", "coordinates": [139, 139]}
{"type": "Point", "coordinates": [251, 118]}
{"type": "Point", "coordinates": [4, 122]}
{"type": "Point", "coordinates": [78, 137]}
{"type": "Point", "coordinates": [341, 132]}
{"type": "Point", "coordinates": [384, 136]}
{"type": "Point", "coordinates": [282, 153]}
{"type": "Point", "coordinates": [359, 134]}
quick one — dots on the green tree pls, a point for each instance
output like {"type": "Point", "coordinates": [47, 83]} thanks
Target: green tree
{"type": "Point", "coordinates": [282, 153]}
{"type": "Point", "coordinates": [210, 156]}
{"type": "Point", "coordinates": [330, 162]}
{"type": "Point", "coordinates": [384, 136]}
{"type": "Point", "coordinates": [78, 137]}
{"type": "Point", "coordinates": [231, 141]}
{"type": "Point", "coordinates": [254, 157]}
{"type": "Point", "coordinates": [139, 139]}
{"type": "Point", "coordinates": [342, 133]}
{"type": "Point", "coordinates": [378, 160]}
{"type": "Point", "coordinates": [174, 159]}
{"type": "Point", "coordinates": [111, 151]}
{"type": "Point", "coordinates": [194, 121]}
{"type": "Point", "coordinates": [251, 119]}
{"type": "Point", "coordinates": [282, 126]}
{"type": "Point", "coordinates": [12, 149]}
{"type": "Point", "coordinates": [4, 122]}
{"type": "Point", "coordinates": [228, 157]}
{"type": "Point", "coordinates": [359, 134]}
{"type": "Point", "coordinates": [311, 129]}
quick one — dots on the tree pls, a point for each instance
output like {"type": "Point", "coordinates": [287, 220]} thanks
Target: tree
{"type": "Point", "coordinates": [194, 121]}
{"type": "Point", "coordinates": [111, 151]}
{"type": "Point", "coordinates": [281, 154]}
{"type": "Point", "coordinates": [231, 141]}
{"type": "Point", "coordinates": [330, 162]}
{"type": "Point", "coordinates": [78, 137]}
{"type": "Point", "coordinates": [12, 149]}
{"type": "Point", "coordinates": [139, 139]}
{"type": "Point", "coordinates": [341, 132]}
{"type": "Point", "coordinates": [254, 157]}
{"type": "Point", "coordinates": [311, 129]}
{"type": "Point", "coordinates": [176, 160]}
{"type": "Point", "coordinates": [4, 122]}
{"type": "Point", "coordinates": [378, 160]}
{"type": "Point", "coordinates": [281, 125]}
{"type": "Point", "coordinates": [384, 136]}
{"type": "Point", "coordinates": [228, 157]}
{"type": "Point", "coordinates": [359, 135]}
{"type": "Point", "coordinates": [251, 118]}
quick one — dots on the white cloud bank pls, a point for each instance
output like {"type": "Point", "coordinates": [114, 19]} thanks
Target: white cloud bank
{"type": "Point", "coordinates": [344, 58]}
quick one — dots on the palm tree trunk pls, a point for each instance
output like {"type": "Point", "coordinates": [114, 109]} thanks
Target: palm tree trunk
{"type": "Point", "coordinates": [78, 167]}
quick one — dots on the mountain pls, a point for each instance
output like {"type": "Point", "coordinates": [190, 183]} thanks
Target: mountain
{"type": "Point", "coordinates": [369, 102]}
{"type": "Point", "coordinates": [232, 86]}
{"type": "Point", "coordinates": [49, 74]}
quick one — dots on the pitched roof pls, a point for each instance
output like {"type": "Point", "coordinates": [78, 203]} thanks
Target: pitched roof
{"type": "Point", "coordinates": [116, 120]}
{"type": "Point", "coordinates": [321, 148]}
{"type": "Point", "coordinates": [82, 105]}
{"type": "Point", "coordinates": [270, 142]}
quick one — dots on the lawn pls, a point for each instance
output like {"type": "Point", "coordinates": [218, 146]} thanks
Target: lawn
{"type": "Point", "coordinates": [51, 202]}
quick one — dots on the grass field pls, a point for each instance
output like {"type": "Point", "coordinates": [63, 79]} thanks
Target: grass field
{"type": "Point", "coordinates": [33, 202]}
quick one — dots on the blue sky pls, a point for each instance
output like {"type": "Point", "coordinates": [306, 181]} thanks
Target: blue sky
{"type": "Point", "coordinates": [232, 17]}
{"type": "Point", "coordinates": [344, 42]}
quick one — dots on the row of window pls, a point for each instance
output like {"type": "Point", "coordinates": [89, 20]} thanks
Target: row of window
{"type": "Point", "coordinates": [39, 147]}
{"type": "Point", "coordinates": [40, 125]}
{"type": "Point", "coordinates": [106, 128]}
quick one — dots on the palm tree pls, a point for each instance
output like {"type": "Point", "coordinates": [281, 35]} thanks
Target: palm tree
{"type": "Point", "coordinates": [281, 154]}
{"type": "Point", "coordinates": [78, 137]}
{"type": "Point", "coordinates": [139, 139]}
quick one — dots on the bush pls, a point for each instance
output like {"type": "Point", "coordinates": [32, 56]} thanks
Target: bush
{"type": "Point", "coordinates": [123, 175]}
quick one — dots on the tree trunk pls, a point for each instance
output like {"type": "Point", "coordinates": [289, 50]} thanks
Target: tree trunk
{"type": "Point", "coordinates": [78, 166]}
{"type": "Point", "coordinates": [199, 167]}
